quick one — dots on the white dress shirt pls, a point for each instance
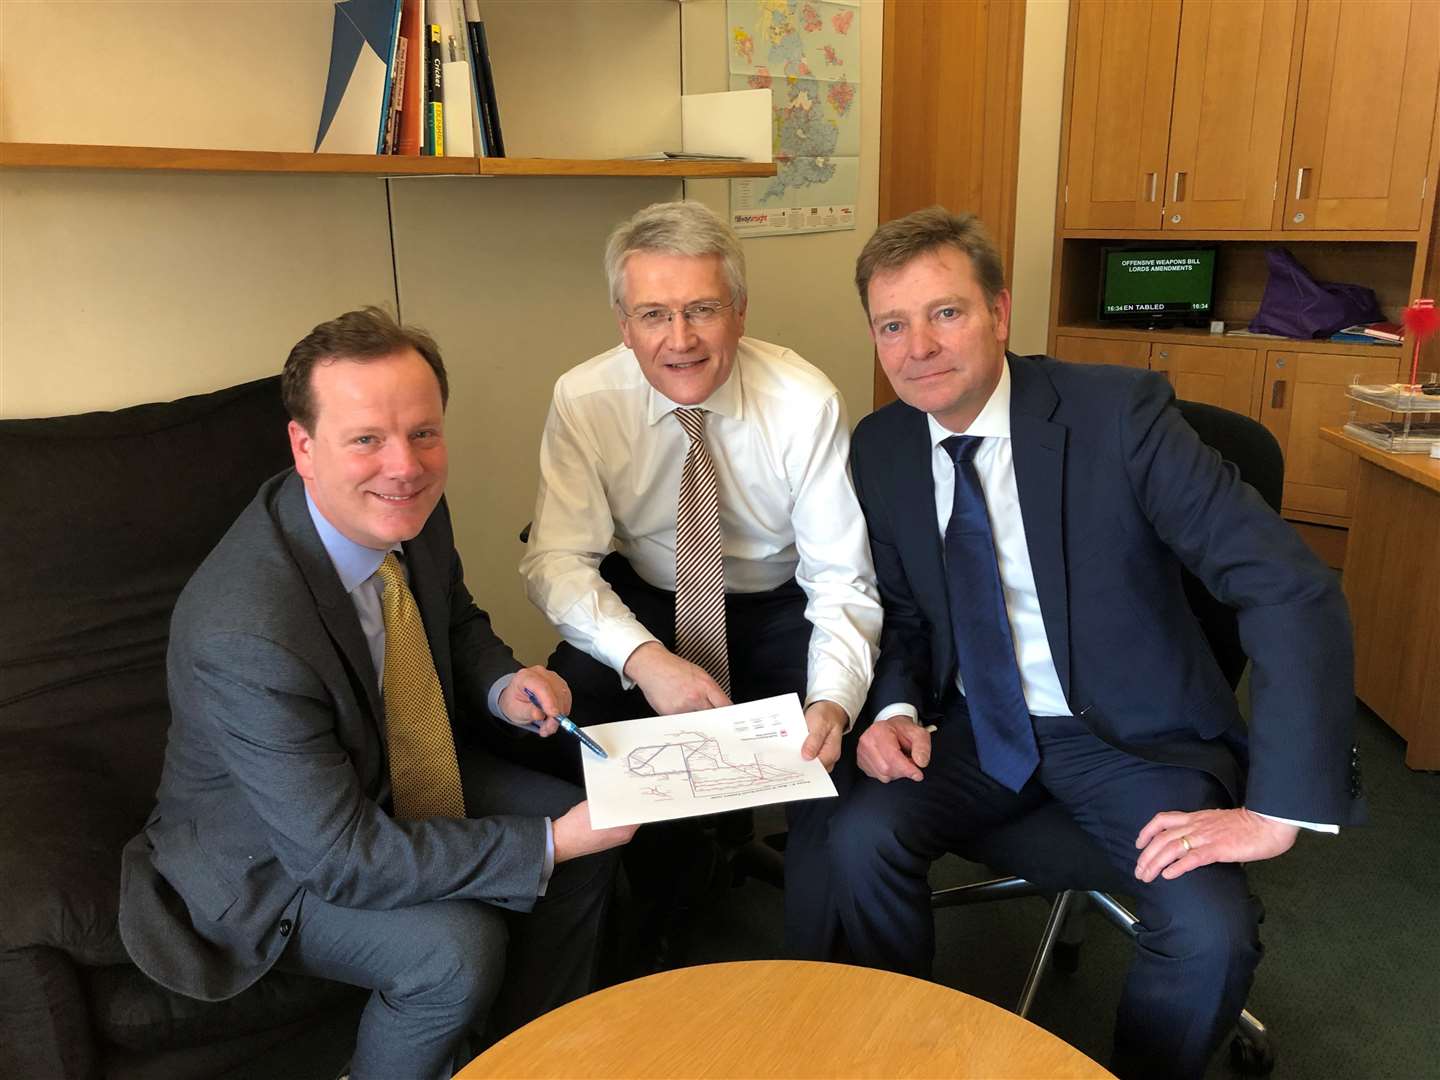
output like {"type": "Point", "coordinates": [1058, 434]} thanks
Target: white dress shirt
{"type": "Point", "coordinates": [995, 464]}
{"type": "Point", "coordinates": [610, 464]}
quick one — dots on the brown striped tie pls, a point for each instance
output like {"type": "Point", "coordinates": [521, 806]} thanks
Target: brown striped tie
{"type": "Point", "coordinates": [700, 558]}
{"type": "Point", "coordinates": [424, 772]}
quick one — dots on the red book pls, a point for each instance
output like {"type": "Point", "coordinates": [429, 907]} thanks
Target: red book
{"type": "Point", "coordinates": [412, 116]}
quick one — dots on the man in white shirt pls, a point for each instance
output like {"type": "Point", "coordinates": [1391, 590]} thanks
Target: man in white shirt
{"type": "Point", "coordinates": [1030, 520]}
{"type": "Point", "coordinates": [685, 426]}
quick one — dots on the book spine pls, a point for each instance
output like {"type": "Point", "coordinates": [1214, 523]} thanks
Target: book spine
{"type": "Point", "coordinates": [435, 104]}
{"type": "Point", "coordinates": [412, 110]}
{"type": "Point", "coordinates": [392, 41]}
{"type": "Point", "coordinates": [495, 141]}
{"type": "Point", "coordinates": [397, 96]}
{"type": "Point", "coordinates": [482, 127]}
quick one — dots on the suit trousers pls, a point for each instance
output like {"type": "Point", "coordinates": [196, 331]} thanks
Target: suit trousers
{"type": "Point", "coordinates": [768, 638]}
{"type": "Point", "coordinates": [1198, 940]}
{"type": "Point", "coordinates": [451, 976]}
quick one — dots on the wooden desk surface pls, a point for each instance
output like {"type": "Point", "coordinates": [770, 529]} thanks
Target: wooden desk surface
{"type": "Point", "coordinates": [1420, 468]}
{"type": "Point", "coordinates": [780, 1018]}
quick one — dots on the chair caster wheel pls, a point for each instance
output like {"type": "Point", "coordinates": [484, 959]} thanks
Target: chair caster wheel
{"type": "Point", "coordinates": [1250, 1057]}
{"type": "Point", "coordinates": [1066, 957]}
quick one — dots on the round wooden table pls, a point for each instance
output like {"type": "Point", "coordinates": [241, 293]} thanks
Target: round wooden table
{"type": "Point", "coordinates": [780, 1018]}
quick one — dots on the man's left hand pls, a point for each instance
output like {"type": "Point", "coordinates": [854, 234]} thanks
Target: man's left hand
{"type": "Point", "coordinates": [826, 722]}
{"type": "Point", "coordinates": [549, 688]}
{"type": "Point", "coordinates": [1174, 843]}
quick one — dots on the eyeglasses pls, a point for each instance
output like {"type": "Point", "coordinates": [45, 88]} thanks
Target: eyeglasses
{"type": "Point", "coordinates": [651, 320]}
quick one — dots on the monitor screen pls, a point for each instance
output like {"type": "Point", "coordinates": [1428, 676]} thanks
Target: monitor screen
{"type": "Point", "coordinates": [1157, 285]}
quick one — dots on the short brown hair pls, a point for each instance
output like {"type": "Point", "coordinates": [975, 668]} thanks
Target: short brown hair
{"type": "Point", "coordinates": [366, 334]}
{"type": "Point", "coordinates": [898, 242]}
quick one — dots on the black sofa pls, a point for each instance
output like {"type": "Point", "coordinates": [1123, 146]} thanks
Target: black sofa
{"type": "Point", "coordinates": [103, 518]}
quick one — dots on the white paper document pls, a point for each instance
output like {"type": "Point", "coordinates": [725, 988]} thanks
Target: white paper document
{"type": "Point", "coordinates": [666, 767]}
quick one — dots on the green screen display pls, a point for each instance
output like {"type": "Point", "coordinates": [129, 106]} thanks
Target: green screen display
{"type": "Point", "coordinates": [1157, 284]}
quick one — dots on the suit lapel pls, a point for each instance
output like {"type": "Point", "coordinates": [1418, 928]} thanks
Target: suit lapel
{"type": "Point", "coordinates": [336, 609]}
{"type": "Point", "coordinates": [429, 581]}
{"type": "Point", "coordinates": [913, 482]}
{"type": "Point", "coordinates": [1038, 446]}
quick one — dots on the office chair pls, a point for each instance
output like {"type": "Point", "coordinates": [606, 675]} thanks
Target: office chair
{"type": "Point", "coordinates": [1049, 838]}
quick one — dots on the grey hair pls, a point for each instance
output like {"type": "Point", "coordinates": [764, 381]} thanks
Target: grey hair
{"type": "Point", "coordinates": [676, 228]}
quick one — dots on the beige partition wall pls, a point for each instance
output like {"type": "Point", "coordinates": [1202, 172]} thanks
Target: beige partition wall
{"type": "Point", "coordinates": [119, 288]}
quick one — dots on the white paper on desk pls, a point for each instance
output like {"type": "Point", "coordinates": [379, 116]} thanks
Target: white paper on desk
{"type": "Point", "coordinates": [666, 767]}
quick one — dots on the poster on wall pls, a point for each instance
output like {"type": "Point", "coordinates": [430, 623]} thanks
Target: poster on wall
{"type": "Point", "coordinates": [807, 54]}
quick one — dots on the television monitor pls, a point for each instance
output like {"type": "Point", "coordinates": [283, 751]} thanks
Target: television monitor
{"type": "Point", "coordinates": [1157, 286]}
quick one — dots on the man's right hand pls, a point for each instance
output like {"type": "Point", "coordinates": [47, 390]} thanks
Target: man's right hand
{"type": "Point", "coordinates": [672, 685]}
{"type": "Point", "coordinates": [574, 837]}
{"type": "Point", "coordinates": [894, 748]}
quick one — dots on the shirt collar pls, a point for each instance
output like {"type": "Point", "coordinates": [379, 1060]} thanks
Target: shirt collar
{"type": "Point", "coordinates": [355, 563]}
{"type": "Point", "coordinates": [725, 401]}
{"type": "Point", "coordinates": [994, 418]}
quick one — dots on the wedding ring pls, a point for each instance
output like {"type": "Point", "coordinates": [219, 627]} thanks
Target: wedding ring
{"type": "Point", "coordinates": [1185, 843]}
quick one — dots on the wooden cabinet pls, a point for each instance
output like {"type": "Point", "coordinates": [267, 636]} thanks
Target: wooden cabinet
{"type": "Point", "coordinates": [1213, 374]}
{"type": "Point", "coordinates": [1177, 113]}
{"type": "Point", "coordinates": [1364, 115]}
{"type": "Point", "coordinates": [1120, 113]}
{"type": "Point", "coordinates": [1301, 393]}
{"type": "Point", "coordinates": [1099, 350]}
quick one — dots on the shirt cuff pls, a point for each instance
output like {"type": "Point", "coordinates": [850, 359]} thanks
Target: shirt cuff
{"type": "Point", "coordinates": [497, 688]}
{"type": "Point", "coordinates": [900, 708]}
{"type": "Point", "coordinates": [618, 647]}
{"type": "Point", "coordinates": [849, 696]}
{"type": "Point", "coordinates": [1312, 826]}
{"type": "Point", "coordinates": [549, 867]}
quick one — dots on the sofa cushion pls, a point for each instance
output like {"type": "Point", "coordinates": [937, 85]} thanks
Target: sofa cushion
{"type": "Point", "coordinates": [130, 1010]}
{"type": "Point", "coordinates": [43, 1029]}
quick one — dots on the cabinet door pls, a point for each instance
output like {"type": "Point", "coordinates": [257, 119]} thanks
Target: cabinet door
{"type": "Point", "coordinates": [1120, 113]}
{"type": "Point", "coordinates": [1210, 373]}
{"type": "Point", "coordinates": [1302, 393]}
{"type": "Point", "coordinates": [1088, 350]}
{"type": "Point", "coordinates": [1364, 114]}
{"type": "Point", "coordinates": [1228, 115]}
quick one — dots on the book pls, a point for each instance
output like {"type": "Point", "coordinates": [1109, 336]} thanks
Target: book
{"type": "Point", "coordinates": [1383, 331]}
{"type": "Point", "coordinates": [397, 95]}
{"type": "Point", "coordinates": [449, 15]}
{"type": "Point", "coordinates": [435, 94]}
{"type": "Point", "coordinates": [412, 107]}
{"type": "Point", "coordinates": [1345, 337]}
{"type": "Point", "coordinates": [489, 107]}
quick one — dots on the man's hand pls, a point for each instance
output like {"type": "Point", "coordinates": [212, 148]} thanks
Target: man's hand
{"type": "Point", "coordinates": [574, 837]}
{"type": "Point", "coordinates": [894, 748]}
{"type": "Point", "coordinates": [1174, 843]}
{"type": "Point", "coordinates": [550, 688]}
{"type": "Point", "coordinates": [670, 684]}
{"type": "Point", "coordinates": [826, 722]}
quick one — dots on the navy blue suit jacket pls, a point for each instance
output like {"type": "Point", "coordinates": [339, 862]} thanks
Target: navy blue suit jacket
{"type": "Point", "coordinates": [1117, 494]}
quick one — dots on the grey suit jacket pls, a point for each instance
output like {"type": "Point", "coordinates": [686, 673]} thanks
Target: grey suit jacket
{"type": "Point", "coordinates": [275, 770]}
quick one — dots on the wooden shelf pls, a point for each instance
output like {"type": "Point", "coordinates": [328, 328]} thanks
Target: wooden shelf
{"type": "Point", "coordinates": [67, 156]}
{"type": "Point", "coordinates": [1190, 336]}
{"type": "Point", "coordinates": [1269, 236]}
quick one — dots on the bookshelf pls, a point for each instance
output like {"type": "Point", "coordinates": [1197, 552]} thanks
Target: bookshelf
{"type": "Point", "coordinates": [75, 156]}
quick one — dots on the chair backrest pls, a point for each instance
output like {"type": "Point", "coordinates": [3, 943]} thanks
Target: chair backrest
{"type": "Point", "coordinates": [1249, 446]}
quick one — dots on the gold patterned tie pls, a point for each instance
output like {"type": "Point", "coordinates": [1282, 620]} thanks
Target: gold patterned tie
{"type": "Point", "coordinates": [424, 772]}
{"type": "Point", "coordinates": [700, 558]}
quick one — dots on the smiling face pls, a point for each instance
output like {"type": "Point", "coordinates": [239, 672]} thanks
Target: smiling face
{"type": "Point", "coordinates": [941, 344]}
{"type": "Point", "coordinates": [684, 362]}
{"type": "Point", "coordinates": [376, 462]}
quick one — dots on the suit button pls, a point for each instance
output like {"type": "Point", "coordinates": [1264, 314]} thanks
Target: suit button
{"type": "Point", "coordinates": [285, 927]}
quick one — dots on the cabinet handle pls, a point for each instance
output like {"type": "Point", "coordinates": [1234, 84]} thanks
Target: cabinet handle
{"type": "Point", "coordinates": [1277, 395]}
{"type": "Point", "coordinates": [1151, 183]}
{"type": "Point", "coordinates": [1175, 188]}
{"type": "Point", "coordinates": [1300, 181]}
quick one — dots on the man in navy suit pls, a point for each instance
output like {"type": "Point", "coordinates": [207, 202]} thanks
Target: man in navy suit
{"type": "Point", "coordinates": [1030, 521]}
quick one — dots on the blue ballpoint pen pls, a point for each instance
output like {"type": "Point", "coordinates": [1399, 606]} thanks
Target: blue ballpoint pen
{"type": "Point", "coordinates": [566, 723]}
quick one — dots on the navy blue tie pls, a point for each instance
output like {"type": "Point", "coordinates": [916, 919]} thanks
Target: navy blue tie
{"type": "Point", "coordinates": [1004, 736]}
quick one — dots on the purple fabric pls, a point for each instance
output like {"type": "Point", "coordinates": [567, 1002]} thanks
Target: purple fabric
{"type": "Point", "coordinates": [1296, 305]}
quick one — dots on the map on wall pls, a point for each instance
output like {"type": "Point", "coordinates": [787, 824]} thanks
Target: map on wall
{"type": "Point", "coordinates": [807, 54]}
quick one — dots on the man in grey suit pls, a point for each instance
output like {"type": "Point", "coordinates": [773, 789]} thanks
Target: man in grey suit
{"type": "Point", "coordinates": [293, 827]}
